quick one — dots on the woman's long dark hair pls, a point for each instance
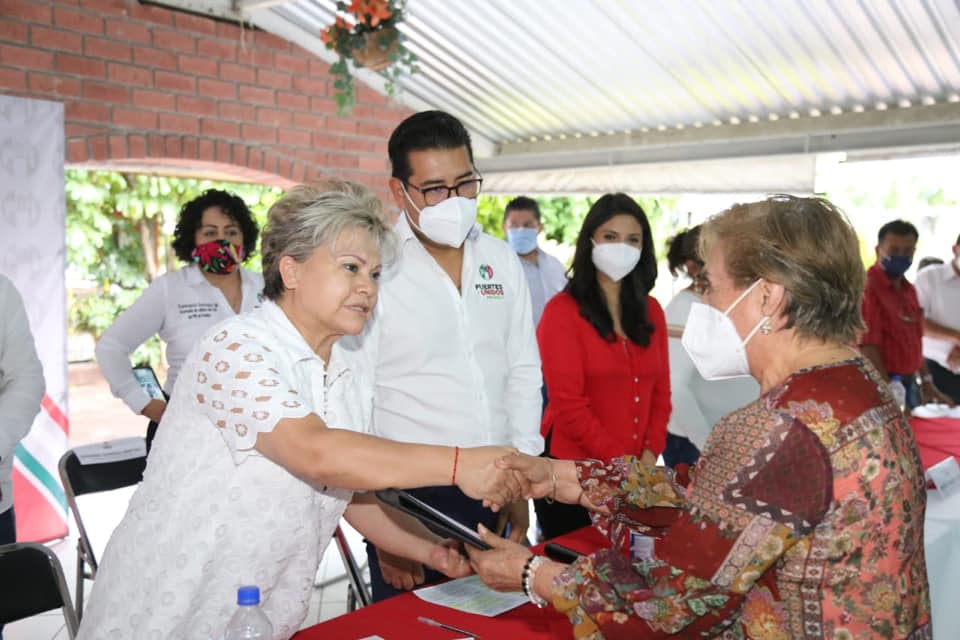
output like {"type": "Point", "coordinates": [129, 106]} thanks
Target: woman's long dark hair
{"type": "Point", "coordinates": [585, 289]}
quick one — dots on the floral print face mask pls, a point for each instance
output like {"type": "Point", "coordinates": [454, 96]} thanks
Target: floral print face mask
{"type": "Point", "coordinates": [219, 256]}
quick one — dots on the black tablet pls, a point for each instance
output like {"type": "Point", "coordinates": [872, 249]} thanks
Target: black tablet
{"type": "Point", "coordinates": [560, 553]}
{"type": "Point", "coordinates": [436, 520]}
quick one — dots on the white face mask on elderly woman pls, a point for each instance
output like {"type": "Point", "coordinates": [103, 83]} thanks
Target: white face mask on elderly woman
{"type": "Point", "coordinates": [447, 222]}
{"type": "Point", "coordinates": [712, 341]}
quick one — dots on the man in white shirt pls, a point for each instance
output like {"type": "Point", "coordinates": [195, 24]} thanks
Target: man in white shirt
{"type": "Point", "coordinates": [938, 289]}
{"type": "Point", "coordinates": [21, 390]}
{"type": "Point", "coordinates": [452, 343]}
{"type": "Point", "coordinates": [546, 276]}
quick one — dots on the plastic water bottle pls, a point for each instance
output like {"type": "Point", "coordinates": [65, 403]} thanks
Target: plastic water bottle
{"type": "Point", "coordinates": [249, 622]}
{"type": "Point", "coordinates": [899, 391]}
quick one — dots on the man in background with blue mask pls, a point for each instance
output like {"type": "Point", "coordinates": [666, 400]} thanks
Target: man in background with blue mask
{"type": "Point", "coordinates": [451, 344]}
{"type": "Point", "coordinates": [893, 315]}
{"type": "Point", "coordinates": [546, 276]}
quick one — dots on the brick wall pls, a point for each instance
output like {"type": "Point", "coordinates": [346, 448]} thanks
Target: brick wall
{"type": "Point", "coordinates": [147, 85]}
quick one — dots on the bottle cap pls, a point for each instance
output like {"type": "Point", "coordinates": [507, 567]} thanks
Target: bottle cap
{"type": "Point", "coordinates": [248, 595]}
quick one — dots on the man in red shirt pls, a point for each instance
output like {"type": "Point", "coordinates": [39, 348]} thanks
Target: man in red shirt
{"type": "Point", "coordinates": [893, 315]}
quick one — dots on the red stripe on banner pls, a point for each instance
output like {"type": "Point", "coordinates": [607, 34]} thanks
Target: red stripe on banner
{"type": "Point", "coordinates": [55, 413]}
{"type": "Point", "coordinates": [37, 521]}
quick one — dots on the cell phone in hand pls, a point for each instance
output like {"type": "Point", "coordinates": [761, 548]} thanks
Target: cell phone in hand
{"type": "Point", "coordinates": [149, 382]}
{"type": "Point", "coordinates": [560, 553]}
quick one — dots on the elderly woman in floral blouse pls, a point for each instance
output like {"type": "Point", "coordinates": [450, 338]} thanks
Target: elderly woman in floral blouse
{"type": "Point", "coordinates": [804, 517]}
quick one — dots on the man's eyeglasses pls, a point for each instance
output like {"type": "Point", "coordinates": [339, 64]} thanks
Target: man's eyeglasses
{"type": "Point", "coordinates": [437, 194]}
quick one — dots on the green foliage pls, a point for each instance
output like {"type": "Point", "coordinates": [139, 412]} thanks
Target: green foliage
{"type": "Point", "coordinates": [119, 228]}
{"type": "Point", "coordinates": [367, 28]}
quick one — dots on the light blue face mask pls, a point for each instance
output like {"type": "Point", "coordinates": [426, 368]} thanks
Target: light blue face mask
{"type": "Point", "coordinates": [523, 240]}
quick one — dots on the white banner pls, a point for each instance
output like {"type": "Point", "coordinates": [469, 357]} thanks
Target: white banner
{"type": "Point", "coordinates": [33, 255]}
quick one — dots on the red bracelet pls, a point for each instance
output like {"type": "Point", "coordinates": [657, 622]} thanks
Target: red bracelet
{"type": "Point", "coordinates": [456, 458]}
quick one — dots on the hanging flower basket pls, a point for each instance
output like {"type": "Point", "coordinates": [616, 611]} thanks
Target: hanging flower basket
{"type": "Point", "coordinates": [373, 55]}
{"type": "Point", "coordinates": [365, 35]}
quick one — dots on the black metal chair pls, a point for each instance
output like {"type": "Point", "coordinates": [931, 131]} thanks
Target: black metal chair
{"type": "Point", "coordinates": [81, 479]}
{"type": "Point", "coordinates": [358, 594]}
{"type": "Point", "coordinates": [34, 584]}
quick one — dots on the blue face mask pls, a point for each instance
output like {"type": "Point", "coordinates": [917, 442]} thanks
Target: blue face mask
{"type": "Point", "coordinates": [522, 240]}
{"type": "Point", "coordinates": [896, 266]}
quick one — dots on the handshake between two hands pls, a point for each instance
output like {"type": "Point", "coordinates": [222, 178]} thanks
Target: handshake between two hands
{"type": "Point", "coordinates": [499, 476]}
{"type": "Point", "coordinates": [502, 475]}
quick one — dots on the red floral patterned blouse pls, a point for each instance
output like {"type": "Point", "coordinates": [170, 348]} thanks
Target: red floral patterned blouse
{"type": "Point", "coordinates": [803, 519]}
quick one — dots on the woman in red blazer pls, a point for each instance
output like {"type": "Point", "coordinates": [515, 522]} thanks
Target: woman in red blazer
{"type": "Point", "coordinates": [603, 345]}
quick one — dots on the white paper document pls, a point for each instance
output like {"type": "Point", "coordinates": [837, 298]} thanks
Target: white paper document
{"type": "Point", "coordinates": [111, 451]}
{"type": "Point", "coordinates": [945, 476]}
{"type": "Point", "coordinates": [470, 595]}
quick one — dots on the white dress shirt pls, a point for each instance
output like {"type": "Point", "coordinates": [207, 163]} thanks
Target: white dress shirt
{"type": "Point", "coordinates": [698, 404]}
{"type": "Point", "coordinates": [455, 369]}
{"type": "Point", "coordinates": [180, 306]}
{"type": "Point", "coordinates": [21, 382]}
{"type": "Point", "coordinates": [938, 289]}
{"type": "Point", "coordinates": [545, 279]}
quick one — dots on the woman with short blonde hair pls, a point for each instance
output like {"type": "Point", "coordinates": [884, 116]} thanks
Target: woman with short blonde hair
{"type": "Point", "coordinates": [264, 443]}
{"type": "Point", "coordinates": [804, 517]}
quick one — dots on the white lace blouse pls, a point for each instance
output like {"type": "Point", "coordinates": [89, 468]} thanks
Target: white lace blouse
{"type": "Point", "coordinates": [212, 513]}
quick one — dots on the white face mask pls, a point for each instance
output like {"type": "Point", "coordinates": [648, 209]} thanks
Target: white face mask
{"type": "Point", "coordinates": [448, 222]}
{"type": "Point", "coordinates": [615, 259]}
{"type": "Point", "coordinates": [712, 341]}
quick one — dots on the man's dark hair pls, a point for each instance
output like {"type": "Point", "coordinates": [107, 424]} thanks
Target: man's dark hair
{"type": "Point", "coordinates": [897, 228]}
{"type": "Point", "coordinates": [425, 130]}
{"type": "Point", "coordinates": [585, 289]}
{"type": "Point", "coordinates": [929, 261]}
{"type": "Point", "coordinates": [191, 215]}
{"type": "Point", "coordinates": [682, 247]}
{"type": "Point", "coordinates": [522, 203]}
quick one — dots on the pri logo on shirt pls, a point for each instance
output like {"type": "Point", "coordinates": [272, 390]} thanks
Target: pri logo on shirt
{"type": "Point", "coordinates": [489, 290]}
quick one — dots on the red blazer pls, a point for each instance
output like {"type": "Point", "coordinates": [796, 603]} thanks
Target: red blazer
{"type": "Point", "coordinates": [604, 399]}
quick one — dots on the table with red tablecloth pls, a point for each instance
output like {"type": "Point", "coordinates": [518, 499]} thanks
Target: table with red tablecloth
{"type": "Point", "coordinates": [396, 618]}
{"type": "Point", "coordinates": [937, 439]}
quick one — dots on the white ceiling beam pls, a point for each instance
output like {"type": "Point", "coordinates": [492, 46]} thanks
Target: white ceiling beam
{"type": "Point", "coordinates": [256, 5]}
{"type": "Point", "coordinates": [931, 127]}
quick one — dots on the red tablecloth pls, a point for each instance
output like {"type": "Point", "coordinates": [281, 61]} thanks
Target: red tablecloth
{"type": "Point", "coordinates": [937, 438]}
{"type": "Point", "coordinates": [396, 618]}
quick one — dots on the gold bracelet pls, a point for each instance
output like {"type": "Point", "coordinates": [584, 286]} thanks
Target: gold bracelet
{"type": "Point", "coordinates": [553, 472]}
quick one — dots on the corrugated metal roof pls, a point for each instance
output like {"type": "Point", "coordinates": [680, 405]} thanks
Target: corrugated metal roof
{"type": "Point", "coordinates": [519, 70]}
{"type": "Point", "coordinates": [664, 80]}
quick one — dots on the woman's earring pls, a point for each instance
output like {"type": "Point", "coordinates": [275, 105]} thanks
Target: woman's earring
{"type": "Point", "coordinates": [766, 328]}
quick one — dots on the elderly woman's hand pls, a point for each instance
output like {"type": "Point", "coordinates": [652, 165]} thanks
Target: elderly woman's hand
{"type": "Point", "coordinates": [547, 478]}
{"type": "Point", "coordinates": [479, 477]}
{"type": "Point", "coordinates": [501, 567]}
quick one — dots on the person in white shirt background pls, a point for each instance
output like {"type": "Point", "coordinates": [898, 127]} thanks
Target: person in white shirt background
{"type": "Point", "coordinates": [938, 290]}
{"type": "Point", "coordinates": [21, 390]}
{"type": "Point", "coordinates": [546, 276]}
{"type": "Point", "coordinates": [452, 343]}
{"type": "Point", "coordinates": [215, 234]}
{"type": "Point", "coordinates": [698, 404]}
